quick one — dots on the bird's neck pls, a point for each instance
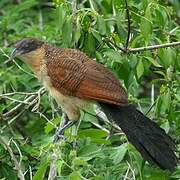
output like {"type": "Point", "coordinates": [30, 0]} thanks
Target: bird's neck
{"type": "Point", "coordinates": [34, 60]}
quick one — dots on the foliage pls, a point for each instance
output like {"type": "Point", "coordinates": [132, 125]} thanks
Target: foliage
{"type": "Point", "coordinates": [151, 78]}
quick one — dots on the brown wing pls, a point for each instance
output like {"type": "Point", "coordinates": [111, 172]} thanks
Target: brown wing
{"type": "Point", "coordinates": [74, 74]}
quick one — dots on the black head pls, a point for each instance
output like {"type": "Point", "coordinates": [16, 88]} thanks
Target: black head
{"type": "Point", "coordinates": [25, 46]}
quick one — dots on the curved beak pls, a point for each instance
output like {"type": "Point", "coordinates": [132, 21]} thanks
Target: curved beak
{"type": "Point", "coordinates": [13, 54]}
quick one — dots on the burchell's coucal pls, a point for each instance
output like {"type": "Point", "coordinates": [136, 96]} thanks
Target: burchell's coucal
{"type": "Point", "coordinates": [75, 81]}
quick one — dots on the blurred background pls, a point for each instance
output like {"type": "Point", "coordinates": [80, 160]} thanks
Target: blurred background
{"type": "Point", "coordinates": [106, 30]}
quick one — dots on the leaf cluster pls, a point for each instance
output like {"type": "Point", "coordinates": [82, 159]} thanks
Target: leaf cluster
{"type": "Point", "coordinates": [97, 151]}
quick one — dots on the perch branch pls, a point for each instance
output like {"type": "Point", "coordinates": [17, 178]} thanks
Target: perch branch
{"type": "Point", "coordinates": [141, 49]}
{"type": "Point", "coordinates": [53, 169]}
{"type": "Point", "coordinates": [149, 48]}
{"type": "Point", "coordinates": [16, 163]}
{"type": "Point", "coordinates": [28, 101]}
{"type": "Point", "coordinates": [129, 24]}
{"type": "Point", "coordinates": [74, 12]}
{"type": "Point", "coordinates": [108, 41]}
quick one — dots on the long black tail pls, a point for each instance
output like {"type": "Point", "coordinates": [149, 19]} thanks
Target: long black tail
{"type": "Point", "coordinates": [148, 138]}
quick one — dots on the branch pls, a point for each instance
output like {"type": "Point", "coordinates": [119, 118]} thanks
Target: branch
{"type": "Point", "coordinates": [53, 167]}
{"type": "Point", "coordinates": [74, 12]}
{"type": "Point", "coordinates": [40, 20]}
{"type": "Point", "coordinates": [30, 100]}
{"type": "Point", "coordinates": [101, 116]}
{"type": "Point", "coordinates": [74, 8]}
{"type": "Point", "coordinates": [83, 2]}
{"type": "Point", "coordinates": [129, 24]}
{"type": "Point", "coordinates": [149, 48]}
{"type": "Point", "coordinates": [16, 163]}
{"type": "Point", "coordinates": [108, 41]}
{"type": "Point", "coordinates": [141, 49]}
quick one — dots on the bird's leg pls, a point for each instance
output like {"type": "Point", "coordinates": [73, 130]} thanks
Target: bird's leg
{"type": "Point", "coordinates": [65, 123]}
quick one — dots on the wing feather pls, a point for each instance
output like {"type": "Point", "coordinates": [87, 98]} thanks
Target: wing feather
{"type": "Point", "coordinates": [74, 74]}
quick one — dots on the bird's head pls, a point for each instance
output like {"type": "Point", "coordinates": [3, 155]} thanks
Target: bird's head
{"type": "Point", "coordinates": [26, 47]}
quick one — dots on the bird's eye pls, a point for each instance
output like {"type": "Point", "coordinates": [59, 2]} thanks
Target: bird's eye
{"type": "Point", "coordinates": [26, 46]}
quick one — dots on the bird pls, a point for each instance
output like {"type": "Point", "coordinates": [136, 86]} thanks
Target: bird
{"type": "Point", "coordinates": [76, 81]}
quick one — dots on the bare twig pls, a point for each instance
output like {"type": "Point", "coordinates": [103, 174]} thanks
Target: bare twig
{"type": "Point", "coordinates": [101, 127]}
{"type": "Point", "coordinates": [12, 120]}
{"type": "Point", "coordinates": [83, 2]}
{"type": "Point", "coordinates": [5, 39]}
{"type": "Point", "coordinates": [20, 154]}
{"type": "Point", "coordinates": [14, 100]}
{"type": "Point", "coordinates": [101, 114]}
{"type": "Point", "coordinates": [20, 105]}
{"type": "Point", "coordinates": [149, 48]}
{"type": "Point", "coordinates": [49, 121]}
{"type": "Point", "coordinates": [152, 94]}
{"type": "Point", "coordinates": [15, 93]}
{"type": "Point", "coordinates": [74, 7]}
{"type": "Point", "coordinates": [126, 175]}
{"type": "Point", "coordinates": [151, 107]}
{"type": "Point", "coordinates": [23, 69]}
{"type": "Point", "coordinates": [30, 173]}
{"type": "Point", "coordinates": [16, 163]}
{"type": "Point", "coordinates": [74, 12]}
{"type": "Point", "coordinates": [141, 49]}
{"type": "Point", "coordinates": [40, 20]}
{"type": "Point", "coordinates": [16, 108]}
{"type": "Point", "coordinates": [129, 24]}
{"type": "Point", "coordinates": [9, 60]}
{"type": "Point", "coordinates": [132, 170]}
{"type": "Point", "coordinates": [53, 168]}
{"type": "Point", "coordinates": [107, 40]}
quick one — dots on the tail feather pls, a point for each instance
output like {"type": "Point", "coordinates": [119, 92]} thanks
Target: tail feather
{"type": "Point", "coordinates": [148, 138]}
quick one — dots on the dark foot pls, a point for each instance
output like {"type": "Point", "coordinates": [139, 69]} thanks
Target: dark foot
{"type": "Point", "coordinates": [60, 131]}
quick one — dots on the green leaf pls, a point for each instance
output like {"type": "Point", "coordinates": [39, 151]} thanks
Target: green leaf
{"type": "Point", "coordinates": [161, 16]}
{"type": "Point", "coordinates": [59, 165]}
{"type": "Point", "coordinates": [155, 174]}
{"type": "Point", "coordinates": [136, 157]}
{"type": "Point", "coordinates": [133, 61]}
{"type": "Point", "coordinates": [77, 33]}
{"type": "Point", "coordinates": [40, 173]}
{"type": "Point", "coordinates": [121, 28]}
{"type": "Point", "coordinates": [140, 69]}
{"type": "Point", "coordinates": [144, 4]}
{"type": "Point", "coordinates": [76, 175]}
{"type": "Point", "coordinates": [93, 133]}
{"type": "Point", "coordinates": [161, 73]}
{"type": "Point", "coordinates": [166, 126]}
{"type": "Point", "coordinates": [96, 35]}
{"type": "Point", "coordinates": [176, 174]}
{"type": "Point", "coordinates": [113, 55]}
{"type": "Point", "coordinates": [25, 5]}
{"type": "Point", "coordinates": [7, 172]}
{"type": "Point", "coordinates": [118, 153]}
{"type": "Point", "coordinates": [166, 101]}
{"type": "Point", "coordinates": [49, 126]}
{"type": "Point", "coordinates": [67, 32]}
{"type": "Point", "coordinates": [154, 62]}
{"type": "Point", "coordinates": [78, 161]}
{"type": "Point", "coordinates": [89, 115]}
{"type": "Point", "coordinates": [166, 57]}
{"type": "Point", "coordinates": [89, 44]}
{"type": "Point", "coordinates": [60, 18]}
{"type": "Point", "coordinates": [88, 149]}
{"type": "Point", "coordinates": [88, 152]}
{"type": "Point", "coordinates": [101, 25]}
{"type": "Point", "coordinates": [146, 25]}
